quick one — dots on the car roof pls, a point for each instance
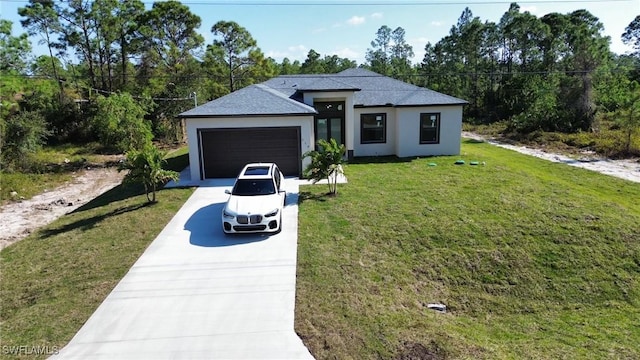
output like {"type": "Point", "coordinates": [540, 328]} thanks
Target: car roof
{"type": "Point", "coordinates": [257, 170]}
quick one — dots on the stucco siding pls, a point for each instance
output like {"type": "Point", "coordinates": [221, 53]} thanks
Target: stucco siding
{"type": "Point", "coordinates": [376, 149]}
{"type": "Point", "coordinates": [195, 124]}
{"type": "Point", "coordinates": [408, 131]}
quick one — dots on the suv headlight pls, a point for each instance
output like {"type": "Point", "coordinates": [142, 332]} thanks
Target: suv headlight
{"type": "Point", "coordinates": [227, 214]}
{"type": "Point", "coordinates": [272, 213]}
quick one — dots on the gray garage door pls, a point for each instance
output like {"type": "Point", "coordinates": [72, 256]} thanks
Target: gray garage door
{"type": "Point", "coordinates": [223, 152]}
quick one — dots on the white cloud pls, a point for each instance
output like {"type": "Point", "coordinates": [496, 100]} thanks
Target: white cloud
{"type": "Point", "coordinates": [346, 52]}
{"type": "Point", "coordinates": [294, 52]}
{"type": "Point", "coordinates": [436, 23]}
{"type": "Point", "coordinates": [356, 20]}
{"type": "Point", "coordinates": [376, 15]}
{"type": "Point", "coordinates": [297, 48]}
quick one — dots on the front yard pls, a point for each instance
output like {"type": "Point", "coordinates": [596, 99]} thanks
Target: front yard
{"type": "Point", "coordinates": [533, 260]}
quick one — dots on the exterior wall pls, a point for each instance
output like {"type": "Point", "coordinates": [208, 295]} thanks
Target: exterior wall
{"type": "Point", "coordinates": [347, 97]}
{"type": "Point", "coordinates": [378, 149]}
{"type": "Point", "coordinates": [194, 124]}
{"type": "Point", "coordinates": [408, 131]}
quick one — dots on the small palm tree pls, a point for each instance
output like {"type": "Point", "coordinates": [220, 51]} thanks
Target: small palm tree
{"type": "Point", "coordinates": [326, 163]}
{"type": "Point", "coordinates": [145, 167]}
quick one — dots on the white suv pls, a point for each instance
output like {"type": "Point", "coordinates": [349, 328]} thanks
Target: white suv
{"type": "Point", "coordinates": [256, 201]}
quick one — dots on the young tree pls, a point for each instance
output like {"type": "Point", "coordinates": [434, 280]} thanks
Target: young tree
{"type": "Point", "coordinates": [628, 114]}
{"type": "Point", "coordinates": [390, 54]}
{"type": "Point", "coordinates": [119, 122]}
{"type": "Point", "coordinates": [329, 64]}
{"type": "Point", "coordinates": [287, 67]}
{"type": "Point", "coordinates": [14, 50]}
{"type": "Point", "coordinates": [169, 32]}
{"type": "Point", "coordinates": [144, 167]}
{"type": "Point", "coordinates": [312, 64]}
{"type": "Point", "coordinates": [237, 50]}
{"type": "Point", "coordinates": [379, 57]}
{"type": "Point", "coordinates": [24, 133]}
{"type": "Point", "coordinates": [631, 35]}
{"type": "Point", "coordinates": [168, 68]}
{"type": "Point", "coordinates": [326, 163]}
{"type": "Point", "coordinates": [401, 54]}
{"type": "Point", "coordinates": [40, 18]}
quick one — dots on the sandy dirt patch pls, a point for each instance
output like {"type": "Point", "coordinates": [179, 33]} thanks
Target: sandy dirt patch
{"type": "Point", "coordinates": [624, 169]}
{"type": "Point", "coordinates": [20, 218]}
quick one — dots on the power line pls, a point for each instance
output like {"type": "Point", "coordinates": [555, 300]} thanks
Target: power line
{"type": "Point", "coordinates": [365, 2]}
{"type": "Point", "coordinates": [298, 76]}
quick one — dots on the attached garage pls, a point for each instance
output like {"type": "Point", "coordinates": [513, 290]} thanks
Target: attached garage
{"type": "Point", "coordinates": [253, 124]}
{"type": "Point", "coordinates": [223, 152]}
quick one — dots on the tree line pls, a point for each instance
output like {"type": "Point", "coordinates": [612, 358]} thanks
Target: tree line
{"type": "Point", "coordinates": [554, 72]}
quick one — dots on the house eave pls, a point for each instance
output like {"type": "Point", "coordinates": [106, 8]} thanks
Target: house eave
{"type": "Point", "coordinates": [360, 106]}
{"type": "Point", "coordinates": [434, 104]}
{"type": "Point", "coordinates": [242, 115]}
{"type": "Point", "coordinates": [327, 90]}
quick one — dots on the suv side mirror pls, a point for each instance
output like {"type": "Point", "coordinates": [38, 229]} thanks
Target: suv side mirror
{"type": "Point", "coordinates": [227, 191]}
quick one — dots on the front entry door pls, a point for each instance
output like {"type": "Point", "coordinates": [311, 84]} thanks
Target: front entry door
{"type": "Point", "coordinates": [329, 123]}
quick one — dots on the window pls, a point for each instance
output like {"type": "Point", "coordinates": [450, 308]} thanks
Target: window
{"type": "Point", "coordinates": [277, 176]}
{"type": "Point", "coordinates": [429, 128]}
{"type": "Point", "coordinates": [373, 128]}
{"type": "Point", "coordinates": [252, 187]}
{"type": "Point", "coordinates": [255, 170]}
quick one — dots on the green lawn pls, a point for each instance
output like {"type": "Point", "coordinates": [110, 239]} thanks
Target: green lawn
{"type": "Point", "coordinates": [54, 280]}
{"type": "Point", "coordinates": [534, 260]}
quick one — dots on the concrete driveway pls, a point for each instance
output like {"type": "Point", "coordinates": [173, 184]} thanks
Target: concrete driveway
{"type": "Point", "coordinates": [198, 294]}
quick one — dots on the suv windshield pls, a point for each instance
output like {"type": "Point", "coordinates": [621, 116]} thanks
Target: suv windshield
{"type": "Point", "coordinates": [250, 187]}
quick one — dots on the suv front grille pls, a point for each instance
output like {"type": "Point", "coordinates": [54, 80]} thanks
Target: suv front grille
{"type": "Point", "coordinates": [251, 219]}
{"type": "Point", "coordinates": [255, 219]}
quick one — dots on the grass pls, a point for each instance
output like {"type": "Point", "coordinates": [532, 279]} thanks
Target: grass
{"type": "Point", "coordinates": [533, 259]}
{"type": "Point", "coordinates": [54, 280]}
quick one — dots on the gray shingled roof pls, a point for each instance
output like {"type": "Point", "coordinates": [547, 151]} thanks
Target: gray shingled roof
{"type": "Point", "coordinates": [282, 95]}
{"type": "Point", "coordinates": [256, 99]}
{"type": "Point", "coordinates": [376, 90]}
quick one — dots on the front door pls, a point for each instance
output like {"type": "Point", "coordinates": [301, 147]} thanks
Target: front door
{"type": "Point", "coordinates": [329, 123]}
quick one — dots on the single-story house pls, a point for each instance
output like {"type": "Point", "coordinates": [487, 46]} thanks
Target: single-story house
{"type": "Point", "coordinates": [282, 118]}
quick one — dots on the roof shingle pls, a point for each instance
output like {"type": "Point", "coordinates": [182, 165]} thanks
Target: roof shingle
{"type": "Point", "coordinates": [255, 99]}
{"type": "Point", "coordinates": [282, 95]}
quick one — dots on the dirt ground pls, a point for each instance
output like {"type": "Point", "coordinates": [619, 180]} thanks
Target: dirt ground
{"type": "Point", "coordinates": [624, 169]}
{"type": "Point", "coordinates": [20, 218]}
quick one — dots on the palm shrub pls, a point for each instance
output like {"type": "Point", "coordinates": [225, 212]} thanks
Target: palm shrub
{"type": "Point", "coordinates": [145, 167]}
{"type": "Point", "coordinates": [326, 163]}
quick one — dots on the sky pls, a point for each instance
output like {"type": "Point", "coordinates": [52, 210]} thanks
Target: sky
{"type": "Point", "coordinates": [290, 28]}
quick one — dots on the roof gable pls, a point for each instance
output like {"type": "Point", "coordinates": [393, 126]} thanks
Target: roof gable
{"type": "Point", "coordinates": [257, 99]}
